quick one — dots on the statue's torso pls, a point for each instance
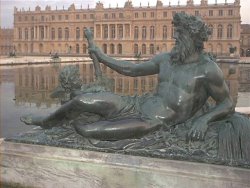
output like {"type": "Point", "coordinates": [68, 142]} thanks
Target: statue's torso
{"type": "Point", "coordinates": [181, 91]}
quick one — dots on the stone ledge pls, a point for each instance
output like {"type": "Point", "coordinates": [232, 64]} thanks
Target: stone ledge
{"type": "Point", "coordinates": [45, 166]}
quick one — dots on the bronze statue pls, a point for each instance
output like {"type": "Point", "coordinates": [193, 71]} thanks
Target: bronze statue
{"type": "Point", "coordinates": [187, 77]}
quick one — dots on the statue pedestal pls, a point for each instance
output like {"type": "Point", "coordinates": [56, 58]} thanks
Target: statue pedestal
{"type": "Point", "coordinates": [45, 166]}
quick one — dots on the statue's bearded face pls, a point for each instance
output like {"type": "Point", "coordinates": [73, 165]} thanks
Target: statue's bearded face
{"type": "Point", "coordinates": [184, 46]}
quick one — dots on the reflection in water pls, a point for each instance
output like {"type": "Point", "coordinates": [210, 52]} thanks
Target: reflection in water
{"type": "Point", "coordinates": [30, 87]}
{"type": "Point", "coordinates": [34, 84]}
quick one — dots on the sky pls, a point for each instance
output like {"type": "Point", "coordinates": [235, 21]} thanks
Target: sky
{"type": "Point", "coordinates": [7, 6]}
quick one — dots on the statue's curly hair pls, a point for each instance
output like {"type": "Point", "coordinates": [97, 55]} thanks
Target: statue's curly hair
{"type": "Point", "coordinates": [197, 29]}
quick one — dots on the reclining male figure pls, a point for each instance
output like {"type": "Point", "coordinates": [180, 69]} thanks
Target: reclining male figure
{"type": "Point", "coordinates": [186, 78]}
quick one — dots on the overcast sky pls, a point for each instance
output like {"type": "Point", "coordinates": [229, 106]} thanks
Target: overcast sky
{"type": "Point", "coordinates": [7, 6]}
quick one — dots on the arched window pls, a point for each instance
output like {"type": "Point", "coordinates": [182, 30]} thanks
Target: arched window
{"type": "Point", "coordinates": [104, 47]}
{"type": "Point", "coordinates": [144, 50]}
{"type": "Point", "coordinates": [77, 49]}
{"type": "Point", "coordinates": [220, 31]}
{"type": "Point", "coordinates": [84, 48]}
{"type": "Point", "coordinates": [151, 49]}
{"type": "Point", "coordinates": [83, 33]}
{"type": "Point", "coordinates": [152, 32]}
{"type": "Point", "coordinates": [53, 34]}
{"type": "Point", "coordinates": [210, 48]}
{"type": "Point", "coordinates": [26, 34]}
{"type": "Point", "coordinates": [136, 32]}
{"type": "Point", "coordinates": [164, 32]}
{"type": "Point", "coordinates": [144, 32]}
{"type": "Point", "coordinates": [77, 33]}
{"type": "Point", "coordinates": [219, 49]}
{"type": "Point", "coordinates": [229, 31]}
{"type": "Point", "coordinates": [59, 33]}
{"type": "Point", "coordinates": [32, 33]}
{"type": "Point", "coordinates": [120, 31]}
{"type": "Point", "coordinates": [136, 50]}
{"type": "Point", "coordinates": [66, 33]}
{"type": "Point", "coordinates": [112, 49]}
{"type": "Point", "coordinates": [119, 49]}
{"type": "Point", "coordinates": [211, 28]}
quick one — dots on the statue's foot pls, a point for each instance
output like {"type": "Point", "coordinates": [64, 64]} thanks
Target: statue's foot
{"type": "Point", "coordinates": [32, 120]}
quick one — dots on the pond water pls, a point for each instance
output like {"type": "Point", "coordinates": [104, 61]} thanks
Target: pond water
{"type": "Point", "coordinates": [26, 89]}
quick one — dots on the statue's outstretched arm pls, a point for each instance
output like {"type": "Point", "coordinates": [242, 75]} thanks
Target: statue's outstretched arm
{"type": "Point", "coordinates": [128, 68]}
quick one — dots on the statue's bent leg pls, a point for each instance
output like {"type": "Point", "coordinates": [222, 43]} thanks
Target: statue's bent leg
{"type": "Point", "coordinates": [114, 130]}
{"type": "Point", "coordinates": [104, 104]}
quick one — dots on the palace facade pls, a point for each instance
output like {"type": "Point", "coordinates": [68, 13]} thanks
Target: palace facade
{"type": "Point", "coordinates": [122, 31]}
{"type": "Point", "coordinates": [245, 40]}
{"type": "Point", "coordinates": [6, 41]}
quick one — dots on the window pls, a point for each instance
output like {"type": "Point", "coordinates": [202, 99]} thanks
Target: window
{"type": "Point", "coordinates": [151, 49]}
{"type": "Point", "coordinates": [112, 48]}
{"type": "Point", "coordinates": [120, 31]}
{"type": "Point", "coordinates": [53, 34]}
{"type": "Point", "coordinates": [26, 18]}
{"type": "Point", "coordinates": [84, 49]}
{"type": "Point", "coordinates": [119, 49]}
{"type": "Point", "coordinates": [106, 16]}
{"type": "Point", "coordinates": [211, 28]}
{"type": "Point", "coordinates": [230, 12]}
{"type": "Point", "coordinates": [66, 32]}
{"type": "Point", "coordinates": [20, 33]}
{"type": "Point", "coordinates": [32, 33]}
{"type": "Point", "coordinates": [59, 17]}
{"type": "Point", "coordinates": [136, 33]}
{"type": "Point", "coordinates": [136, 50]}
{"type": "Point", "coordinates": [144, 49]}
{"type": "Point", "coordinates": [165, 14]}
{"type": "Point", "coordinates": [77, 16]}
{"type": "Point", "coordinates": [152, 14]}
{"type": "Point", "coordinates": [42, 18]}
{"type": "Point", "coordinates": [220, 12]}
{"type": "Point", "coordinates": [113, 15]}
{"type": "Point", "coordinates": [144, 32]}
{"type": "Point", "coordinates": [77, 48]}
{"type": "Point", "coordinates": [104, 48]}
{"type": "Point", "coordinates": [136, 15]}
{"type": "Point", "coordinates": [32, 18]}
{"type": "Point", "coordinates": [229, 31]}
{"type": "Point", "coordinates": [210, 12]}
{"type": "Point", "coordinates": [66, 17]}
{"type": "Point", "coordinates": [59, 33]}
{"type": "Point", "coordinates": [52, 17]}
{"type": "Point", "coordinates": [144, 14]}
{"type": "Point", "coordinates": [219, 32]}
{"type": "Point", "coordinates": [26, 34]}
{"type": "Point", "coordinates": [196, 13]}
{"type": "Point", "coordinates": [121, 15]}
{"type": "Point", "coordinates": [105, 31]}
{"type": "Point", "coordinates": [91, 16]}
{"type": "Point", "coordinates": [152, 32]}
{"type": "Point", "coordinates": [164, 32]}
{"type": "Point", "coordinates": [112, 31]}
{"type": "Point", "coordinates": [84, 16]}
{"type": "Point", "coordinates": [77, 33]}
{"type": "Point", "coordinates": [19, 18]}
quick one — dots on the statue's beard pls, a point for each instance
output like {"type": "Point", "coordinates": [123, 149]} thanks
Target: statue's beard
{"type": "Point", "coordinates": [184, 47]}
